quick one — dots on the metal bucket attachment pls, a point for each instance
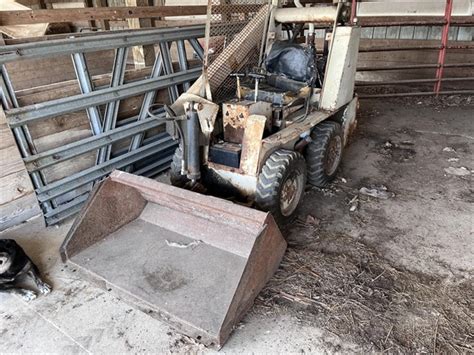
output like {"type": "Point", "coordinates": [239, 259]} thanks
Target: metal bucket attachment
{"type": "Point", "coordinates": [195, 261]}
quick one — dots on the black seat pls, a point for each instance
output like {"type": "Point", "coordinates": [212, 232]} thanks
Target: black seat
{"type": "Point", "coordinates": [291, 60]}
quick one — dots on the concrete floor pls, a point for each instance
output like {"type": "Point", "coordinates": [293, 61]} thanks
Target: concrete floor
{"type": "Point", "coordinates": [426, 227]}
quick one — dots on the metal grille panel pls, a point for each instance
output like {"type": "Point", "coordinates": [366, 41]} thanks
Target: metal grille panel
{"type": "Point", "coordinates": [149, 151]}
{"type": "Point", "coordinates": [234, 38]}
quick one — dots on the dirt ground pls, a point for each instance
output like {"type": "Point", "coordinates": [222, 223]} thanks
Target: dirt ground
{"type": "Point", "coordinates": [395, 273]}
{"type": "Point", "coordinates": [361, 273]}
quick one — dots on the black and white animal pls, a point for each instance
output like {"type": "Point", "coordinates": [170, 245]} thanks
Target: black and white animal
{"type": "Point", "coordinates": [15, 265]}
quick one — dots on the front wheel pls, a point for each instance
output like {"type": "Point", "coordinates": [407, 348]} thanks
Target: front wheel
{"type": "Point", "coordinates": [281, 184]}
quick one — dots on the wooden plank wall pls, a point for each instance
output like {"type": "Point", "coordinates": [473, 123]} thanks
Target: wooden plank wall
{"type": "Point", "coordinates": [41, 80]}
{"type": "Point", "coordinates": [47, 79]}
{"type": "Point", "coordinates": [38, 72]}
{"type": "Point", "coordinates": [18, 201]}
{"type": "Point", "coordinates": [64, 129]}
{"type": "Point", "coordinates": [413, 57]}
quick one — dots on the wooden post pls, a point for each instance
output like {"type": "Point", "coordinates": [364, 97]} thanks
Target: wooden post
{"type": "Point", "coordinates": [105, 24]}
{"type": "Point", "coordinates": [142, 56]}
{"type": "Point", "coordinates": [92, 23]}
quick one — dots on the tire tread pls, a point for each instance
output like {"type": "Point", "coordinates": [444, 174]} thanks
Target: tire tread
{"type": "Point", "coordinates": [316, 150]}
{"type": "Point", "coordinates": [270, 179]}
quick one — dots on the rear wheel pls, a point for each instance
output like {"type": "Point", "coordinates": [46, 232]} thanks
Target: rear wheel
{"type": "Point", "coordinates": [281, 184]}
{"type": "Point", "coordinates": [324, 153]}
{"type": "Point", "coordinates": [176, 178]}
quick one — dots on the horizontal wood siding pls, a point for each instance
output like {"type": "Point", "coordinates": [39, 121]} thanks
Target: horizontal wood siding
{"type": "Point", "coordinates": [17, 198]}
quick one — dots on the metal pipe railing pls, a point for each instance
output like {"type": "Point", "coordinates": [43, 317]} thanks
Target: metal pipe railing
{"type": "Point", "coordinates": [96, 172]}
{"type": "Point", "coordinates": [168, 69]}
{"type": "Point", "coordinates": [148, 100]}
{"type": "Point", "coordinates": [414, 48]}
{"type": "Point", "coordinates": [86, 86]}
{"type": "Point", "coordinates": [183, 61]}
{"type": "Point", "coordinates": [35, 113]}
{"type": "Point", "coordinates": [439, 66]}
{"type": "Point", "coordinates": [96, 43]}
{"type": "Point", "coordinates": [415, 66]}
{"type": "Point", "coordinates": [156, 150]}
{"type": "Point", "coordinates": [410, 81]}
{"type": "Point", "coordinates": [112, 108]}
{"type": "Point", "coordinates": [444, 42]}
{"type": "Point", "coordinates": [21, 134]}
{"type": "Point", "coordinates": [53, 156]}
{"type": "Point", "coordinates": [416, 93]}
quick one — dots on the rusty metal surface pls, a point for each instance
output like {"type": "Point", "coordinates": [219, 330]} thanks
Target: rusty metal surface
{"type": "Point", "coordinates": [267, 92]}
{"type": "Point", "coordinates": [104, 212]}
{"type": "Point", "coordinates": [349, 119]}
{"type": "Point", "coordinates": [194, 261]}
{"type": "Point", "coordinates": [235, 115]}
{"type": "Point", "coordinates": [287, 137]}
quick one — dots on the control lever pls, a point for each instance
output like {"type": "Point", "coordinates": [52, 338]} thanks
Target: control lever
{"type": "Point", "coordinates": [257, 78]}
{"type": "Point", "coordinates": [238, 76]}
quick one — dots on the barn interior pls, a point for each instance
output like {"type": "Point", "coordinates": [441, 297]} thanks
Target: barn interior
{"type": "Point", "coordinates": [98, 97]}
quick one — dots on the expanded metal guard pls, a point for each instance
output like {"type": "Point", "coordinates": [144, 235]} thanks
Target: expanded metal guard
{"type": "Point", "coordinates": [235, 29]}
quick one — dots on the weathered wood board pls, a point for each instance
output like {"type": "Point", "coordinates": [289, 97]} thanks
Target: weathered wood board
{"type": "Point", "coordinates": [18, 31]}
{"type": "Point", "coordinates": [18, 202]}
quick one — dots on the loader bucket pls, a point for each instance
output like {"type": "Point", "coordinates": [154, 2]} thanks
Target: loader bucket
{"type": "Point", "coordinates": [194, 261]}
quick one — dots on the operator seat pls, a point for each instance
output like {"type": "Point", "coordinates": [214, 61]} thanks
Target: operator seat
{"type": "Point", "coordinates": [291, 71]}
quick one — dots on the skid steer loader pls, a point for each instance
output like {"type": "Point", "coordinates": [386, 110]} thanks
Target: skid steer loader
{"type": "Point", "coordinates": [287, 124]}
{"type": "Point", "coordinates": [269, 114]}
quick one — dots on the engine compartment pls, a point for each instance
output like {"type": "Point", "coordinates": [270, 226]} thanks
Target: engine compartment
{"type": "Point", "coordinates": [285, 90]}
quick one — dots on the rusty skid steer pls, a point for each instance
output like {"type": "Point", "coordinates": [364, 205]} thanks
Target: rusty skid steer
{"type": "Point", "coordinates": [269, 114]}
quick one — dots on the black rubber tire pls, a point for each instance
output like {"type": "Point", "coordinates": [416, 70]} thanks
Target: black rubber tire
{"type": "Point", "coordinates": [280, 167]}
{"type": "Point", "coordinates": [176, 178]}
{"type": "Point", "coordinates": [317, 153]}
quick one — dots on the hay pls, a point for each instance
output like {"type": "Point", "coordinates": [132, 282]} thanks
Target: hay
{"type": "Point", "coordinates": [345, 287]}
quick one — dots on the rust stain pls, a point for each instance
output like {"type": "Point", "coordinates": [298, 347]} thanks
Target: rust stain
{"type": "Point", "coordinates": [235, 118]}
